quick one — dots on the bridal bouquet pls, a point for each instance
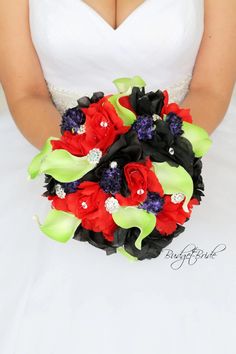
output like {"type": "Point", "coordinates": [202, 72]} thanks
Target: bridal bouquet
{"type": "Point", "coordinates": [125, 173]}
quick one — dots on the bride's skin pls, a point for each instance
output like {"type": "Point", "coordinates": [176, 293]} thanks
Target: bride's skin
{"type": "Point", "coordinates": [27, 95]}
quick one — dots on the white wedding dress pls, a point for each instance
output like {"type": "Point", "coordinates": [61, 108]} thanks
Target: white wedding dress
{"type": "Point", "coordinates": [71, 298]}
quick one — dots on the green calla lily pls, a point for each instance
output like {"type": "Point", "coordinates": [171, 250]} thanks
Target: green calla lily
{"type": "Point", "coordinates": [124, 86]}
{"type": "Point", "coordinates": [65, 167]}
{"type": "Point", "coordinates": [34, 166]}
{"type": "Point", "coordinates": [174, 180]}
{"type": "Point", "coordinates": [198, 137]}
{"type": "Point", "coordinates": [59, 225]}
{"type": "Point", "coordinates": [124, 113]}
{"type": "Point", "coordinates": [130, 216]}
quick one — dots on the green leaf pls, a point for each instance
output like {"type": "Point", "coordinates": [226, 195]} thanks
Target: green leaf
{"type": "Point", "coordinates": [174, 180]}
{"type": "Point", "coordinates": [59, 225]}
{"type": "Point", "coordinates": [130, 216]}
{"type": "Point", "coordinates": [65, 167]}
{"type": "Point", "coordinates": [198, 137]}
{"type": "Point", "coordinates": [34, 166]}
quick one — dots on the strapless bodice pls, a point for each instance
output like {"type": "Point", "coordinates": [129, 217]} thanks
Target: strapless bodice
{"type": "Point", "coordinates": [80, 53]}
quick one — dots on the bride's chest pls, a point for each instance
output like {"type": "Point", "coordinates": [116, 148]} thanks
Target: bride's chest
{"type": "Point", "coordinates": [71, 27]}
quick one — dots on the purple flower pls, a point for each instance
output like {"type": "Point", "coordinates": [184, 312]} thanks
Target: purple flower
{"type": "Point", "coordinates": [70, 187]}
{"type": "Point", "coordinates": [72, 119]}
{"type": "Point", "coordinates": [153, 203]}
{"type": "Point", "coordinates": [174, 123]}
{"type": "Point", "coordinates": [111, 180]}
{"type": "Point", "coordinates": [144, 127]}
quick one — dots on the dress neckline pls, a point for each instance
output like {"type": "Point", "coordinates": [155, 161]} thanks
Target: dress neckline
{"type": "Point", "coordinates": [96, 15]}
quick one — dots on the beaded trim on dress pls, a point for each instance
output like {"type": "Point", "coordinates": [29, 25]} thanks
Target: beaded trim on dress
{"type": "Point", "coordinates": [64, 99]}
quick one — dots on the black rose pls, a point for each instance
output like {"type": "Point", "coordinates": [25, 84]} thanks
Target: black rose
{"type": "Point", "coordinates": [164, 146]}
{"type": "Point", "coordinates": [94, 238]}
{"type": "Point", "coordinates": [146, 103]}
{"type": "Point", "coordinates": [197, 180]}
{"type": "Point", "coordinates": [152, 245]}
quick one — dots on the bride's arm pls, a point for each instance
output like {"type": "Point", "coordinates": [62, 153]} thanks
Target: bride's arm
{"type": "Point", "coordinates": [215, 67]}
{"type": "Point", "coordinates": [22, 78]}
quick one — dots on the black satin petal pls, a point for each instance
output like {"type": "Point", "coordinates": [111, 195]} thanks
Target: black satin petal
{"type": "Point", "coordinates": [83, 102]}
{"type": "Point", "coordinates": [97, 96]}
{"type": "Point", "coordinates": [197, 180]}
{"type": "Point", "coordinates": [163, 140]}
{"type": "Point", "coordinates": [126, 149]}
{"type": "Point", "coordinates": [50, 185]}
{"type": "Point", "coordinates": [146, 103]}
{"type": "Point", "coordinates": [152, 245]}
{"type": "Point", "coordinates": [95, 239]}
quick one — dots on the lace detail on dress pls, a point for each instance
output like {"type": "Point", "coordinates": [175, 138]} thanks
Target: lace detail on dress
{"type": "Point", "coordinates": [178, 91]}
{"type": "Point", "coordinates": [64, 99]}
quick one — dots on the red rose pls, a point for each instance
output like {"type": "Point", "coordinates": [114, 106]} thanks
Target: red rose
{"type": "Point", "coordinates": [140, 179]}
{"type": "Point", "coordinates": [59, 203]}
{"type": "Point", "coordinates": [172, 214]}
{"type": "Point", "coordinates": [88, 204]}
{"type": "Point", "coordinates": [108, 227]}
{"type": "Point", "coordinates": [76, 144]}
{"type": "Point", "coordinates": [183, 113]}
{"type": "Point", "coordinates": [103, 125]}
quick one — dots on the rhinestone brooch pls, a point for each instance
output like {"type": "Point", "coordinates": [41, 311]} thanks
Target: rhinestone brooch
{"type": "Point", "coordinates": [81, 129]}
{"type": "Point", "coordinates": [84, 205]}
{"type": "Point", "coordinates": [103, 124]}
{"type": "Point", "coordinates": [113, 164]}
{"type": "Point", "coordinates": [155, 117]}
{"type": "Point", "coordinates": [94, 156]}
{"type": "Point", "coordinates": [177, 198]}
{"type": "Point", "coordinates": [60, 191]}
{"type": "Point", "coordinates": [140, 191]}
{"type": "Point", "coordinates": [111, 205]}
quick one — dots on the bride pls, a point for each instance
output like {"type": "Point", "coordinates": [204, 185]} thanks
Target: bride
{"type": "Point", "coordinates": [72, 298]}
